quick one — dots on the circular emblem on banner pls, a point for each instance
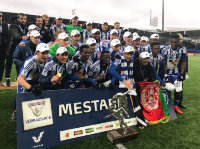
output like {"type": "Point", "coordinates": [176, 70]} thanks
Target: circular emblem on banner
{"type": "Point", "coordinates": [149, 97]}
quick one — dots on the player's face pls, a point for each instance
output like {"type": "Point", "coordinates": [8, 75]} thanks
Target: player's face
{"type": "Point", "coordinates": [181, 39]}
{"type": "Point", "coordinates": [106, 58]}
{"type": "Point", "coordinates": [155, 50]}
{"type": "Point", "coordinates": [117, 47]}
{"type": "Point", "coordinates": [92, 47]}
{"type": "Point", "coordinates": [113, 36]}
{"type": "Point", "coordinates": [39, 22]}
{"type": "Point", "coordinates": [64, 42]}
{"type": "Point", "coordinates": [116, 26]}
{"type": "Point", "coordinates": [174, 43]}
{"type": "Point", "coordinates": [74, 21]}
{"type": "Point", "coordinates": [96, 36]}
{"type": "Point", "coordinates": [62, 58]}
{"type": "Point", "coordinates": [104, 27]}
{"type": "Point", "coordinates": [42, 56]}
{"type": "Point", "coordinates": [89, 27]}
{"type": "Point", "coordinates": [144, 61]}
{"type": "Point", "coordinates": [136, 43]}
{"type": "Point", "coordinates": [128, 39]}
{"type": "Point", "coordinates": [76, 38]}
{"type": "Point", "coordinates": [154, 40]}
{"type": "Point", "coordinates": [128, 56]}
{"type": "Point", "coordinates": [0, 18]}
{"type": "Point", "coordinates": [86, 53]}
{"type": "Point", "coordinates": [58, 22]}
{"type": "Point", "coordinates": [46, 20]}
{"type": "Point", "coordinates": [22, 19]}
{"type": "Point", "coordinates": [143, 42]}
{"type": "Point", "coordinates": [35, 40]}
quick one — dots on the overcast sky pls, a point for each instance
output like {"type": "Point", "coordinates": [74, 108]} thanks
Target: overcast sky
{"type": "Point", "coordinates": [130, 13]}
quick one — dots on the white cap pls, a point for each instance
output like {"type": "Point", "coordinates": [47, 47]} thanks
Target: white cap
{"type": "Point", "coordinates": [42, 47]}
{"type": "Point", "coordinates": [135, 34]}
{"type": "Point", "coordinates": [35, 33]}
{"type": "Point", "coordinates": [144, 55]}
{"type": "Point", "coordinates": [128, 49]}
{"type": "Point", "coordinates": [32, 27]}
{"type": "Point", "coordinates": [113, 31]}
{"type": "Point", "coordinates": [154, 36]}
{"type": "Point", "coordinates": [62, 36]}
{"type": "Point", "coordinates": [59, 17]}
{"type": "Point", "coordinates": [115, 42]}
{"type": "Point", "coordinates": [95, 30]}
{"type": "Point", "coordinates": [126, 34]}
{"type": "Point", "coordinates": [143, 38]}
{"type": "Point", "coordinates": [75, 32]}
{"type": "Point", "coordinates": [61, 50]}
{"type": "Point", "coordinates": [91, 41]}
{"type": "Point", "coordinates": [87, 23]}
{"type": "Point", "coordinates": [136, 37]}
{"type": "Point", "coordinates": [1, 14]}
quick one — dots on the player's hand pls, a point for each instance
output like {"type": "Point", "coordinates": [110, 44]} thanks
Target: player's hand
{"type": "Point", "coordinates": [22, 44]}
{"type": "Point", "coordinates": [55, 79]}
{"type": "Point", "coordinates": [83, 77]}
{"type": "Point", "coordinates": [36, 90]}
{"type": "Point", "coordinates": [24, 37]}
{"type": "Point", "coordinates": [166, 79]}
{"type": "Point", "coordinates": [181, 77]}
{"type": "Point", "coordinates": [128, 84]}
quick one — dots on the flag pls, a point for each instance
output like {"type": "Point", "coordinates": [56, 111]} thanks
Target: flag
{"type": "Point", "coordinates": [154, 106]}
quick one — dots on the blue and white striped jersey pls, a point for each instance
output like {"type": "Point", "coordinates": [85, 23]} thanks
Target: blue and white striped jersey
{"type": "Point", "coordinates": [104, 35]}
{"type": "Point", "coordinates": [54, 28]}
{"type": "Point", "coordinates": [155, 60]}
{"type": "Point", "coordinates": [173, 58]}
{"type": "Point", "coordinates": [105, 45]}
{"type": "Point", "coordinates": [76, 47]}
{"type": "Point", "coordinates": [145, 48]}
{"type": "Point", "coordinates": [31, 70]}
{"type": "Point", "coordinates": [52, 67]}
{"type": "Point", "coordinates": [85, 34]}
{"type": "Point", "coordinates": [96, 72]}
{"type": "Point", "coordinates": [114, 53]}
{"type": "Point", "coordinates": [75, 68]}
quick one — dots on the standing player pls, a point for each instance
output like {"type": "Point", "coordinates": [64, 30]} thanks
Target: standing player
{"type": "Point", "coordinates": [175, 64]}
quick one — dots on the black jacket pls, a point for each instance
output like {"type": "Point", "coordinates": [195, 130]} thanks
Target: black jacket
{"type": "Point", "coordinates": [46, 36]}
{"type": "Point", "coordinates": [16, 31]}
{"type": "Point", "coordinates": [142, 73]}
{"type": "Point", "coordinates": [4, 36]}
{"type": "Point", "coordinates": [22, 53]}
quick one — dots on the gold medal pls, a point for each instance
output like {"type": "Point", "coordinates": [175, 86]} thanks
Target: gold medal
{"type": "Point", "coordinates": [59, 75]}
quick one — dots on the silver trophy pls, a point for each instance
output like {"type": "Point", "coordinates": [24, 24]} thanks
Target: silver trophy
{"type": "Point", "coordinates": [118, 109]}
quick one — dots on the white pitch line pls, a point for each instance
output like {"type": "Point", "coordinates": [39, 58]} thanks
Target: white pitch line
{"type": "Point", "coordinates": [120, 146]}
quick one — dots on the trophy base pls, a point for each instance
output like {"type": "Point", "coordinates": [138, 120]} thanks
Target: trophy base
{"type": "Point", "coordinates": [117, 136]}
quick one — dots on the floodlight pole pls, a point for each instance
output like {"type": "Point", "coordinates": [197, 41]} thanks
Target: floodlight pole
{"type": "Point", "coordinates": [163, 15]}
{"type": "Point", "coordinates": [150, 16]}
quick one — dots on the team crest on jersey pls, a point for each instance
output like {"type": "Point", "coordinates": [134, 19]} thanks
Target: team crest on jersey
{"type": "Point", "coordinates": [37, 108]}
{"type": "Point", "coordinates": [149, 96]}
{"type": "Point", "coordinates": [174, 62]}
